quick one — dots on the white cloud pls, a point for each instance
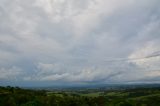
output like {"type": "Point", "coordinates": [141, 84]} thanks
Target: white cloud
{"type": "Point", "coordinates": [154, 73]}
{"type": "Point", "coordinates": [148, 41]}
{"type": "Point", "coordinates": [148, 67]}
{"type": "Point", "coordinates": [54, 77]}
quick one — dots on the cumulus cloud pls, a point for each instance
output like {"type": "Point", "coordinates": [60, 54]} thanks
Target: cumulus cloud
{"type": "Point", "coordinates": [80, 40]}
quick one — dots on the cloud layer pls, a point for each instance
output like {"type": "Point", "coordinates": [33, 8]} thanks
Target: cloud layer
{"type": "Point", "coordinates": [72, 41]}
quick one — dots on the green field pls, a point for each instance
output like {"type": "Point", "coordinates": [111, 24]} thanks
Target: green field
{"type": "Point", "coordinates": [93, 94]}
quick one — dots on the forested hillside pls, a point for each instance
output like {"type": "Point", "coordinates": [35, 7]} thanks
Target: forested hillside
{"type": "Point", "coordinates": [15, 96]}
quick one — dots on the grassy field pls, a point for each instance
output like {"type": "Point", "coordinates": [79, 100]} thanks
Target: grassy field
{"type": "Point", "coordinates": [93, 94]}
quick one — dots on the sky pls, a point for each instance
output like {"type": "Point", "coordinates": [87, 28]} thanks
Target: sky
{"type": "Point", "coordinates": [74, 42]}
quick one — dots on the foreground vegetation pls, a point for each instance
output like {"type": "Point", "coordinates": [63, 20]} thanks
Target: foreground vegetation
{"type": "Point", "coordinates": [14, 96]}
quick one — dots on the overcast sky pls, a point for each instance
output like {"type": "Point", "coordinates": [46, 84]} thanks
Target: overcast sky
{"type": "Point", "coordinates": [57, 42]}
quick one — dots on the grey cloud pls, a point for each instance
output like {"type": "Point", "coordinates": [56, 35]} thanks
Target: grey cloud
{"type": "Point", "coordinates": [10, 73]}
{"type": "Point", "coordinates": [72, 40]}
